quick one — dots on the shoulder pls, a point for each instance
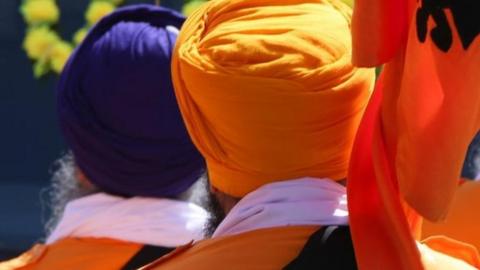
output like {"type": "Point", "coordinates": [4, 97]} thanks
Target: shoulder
{"type": "Point", "coordinates": [270, 248]}
{"type": "Point", "coordinates": [76, 253]}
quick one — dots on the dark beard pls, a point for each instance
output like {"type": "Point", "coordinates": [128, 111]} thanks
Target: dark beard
{"type": "Point", "coordinates": [217, 214]}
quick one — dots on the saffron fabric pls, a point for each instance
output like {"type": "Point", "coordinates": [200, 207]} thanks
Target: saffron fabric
{"type": "Point", "coordinates": [463, 219]}
{"type": "Point", "coordinates": [75, 254]}
{"type": "Point", "coordinates": [412, 142]}
{"type": "Point", "coordinates": [443, 253]}
{"type": "Point", "coordinates": [267, 95]}
{"type": "Point", "coordinates": [117, 109]}
{"type": "Point", "coordinates": [275, 248]}
{"type": "Point", "coordinates": [266, 249]}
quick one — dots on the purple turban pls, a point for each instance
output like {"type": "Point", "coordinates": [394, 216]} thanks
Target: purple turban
{"type": "Point", "coordinates": [117, 107]}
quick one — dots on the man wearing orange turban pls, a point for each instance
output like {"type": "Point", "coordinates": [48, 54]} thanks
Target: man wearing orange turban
{"type": "Point", "coordinates": [272, 101]}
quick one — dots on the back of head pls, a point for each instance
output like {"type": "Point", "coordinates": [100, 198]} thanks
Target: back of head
{"type": "Point", "coordinates": [267, 90]}
{"type": "Point", "coordinates": [118, 111]}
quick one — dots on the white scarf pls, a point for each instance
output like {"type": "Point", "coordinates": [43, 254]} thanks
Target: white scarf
{"type": "Point", "coordinates": [304, 201]}
{"type": "Point", "coordinates": [152, 221]}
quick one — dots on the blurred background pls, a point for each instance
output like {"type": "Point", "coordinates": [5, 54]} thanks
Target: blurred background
{"type": "Point", "coordinates": [30, 140]}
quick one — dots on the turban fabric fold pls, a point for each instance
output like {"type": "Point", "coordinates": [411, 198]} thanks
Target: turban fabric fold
{"type": "Point", "coordinates": [117, 109]}
{"type": "Point", "coordinates": [267, 90]}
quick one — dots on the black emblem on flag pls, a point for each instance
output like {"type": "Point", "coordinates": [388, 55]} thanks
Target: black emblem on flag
{"type": "Point", "coordinates": [466, 17]}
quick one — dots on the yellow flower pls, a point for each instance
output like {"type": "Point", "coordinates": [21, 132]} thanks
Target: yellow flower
{"type": "Point", "coordinates": [349, 2]}
{"type": "Point", "coordinates": [40, 11]}
{"type": "Point", "coordinates": [80, 35]}
{"type": "Point", "coordinates": [59, 55]}
{"type": "Point", "coordinates": [41, 67]}
{"type": "Point", "coordinates": [116, 2]}
{"type": "Point", "coordinates": [98, 9]}
{"type": "Point", "coordinates": [39, 41]}
{"type": "Point", "coordinates": [190, 7]}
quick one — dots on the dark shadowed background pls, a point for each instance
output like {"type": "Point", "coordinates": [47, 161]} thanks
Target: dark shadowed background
{"type": "Point", "coordinates": [29, 138]}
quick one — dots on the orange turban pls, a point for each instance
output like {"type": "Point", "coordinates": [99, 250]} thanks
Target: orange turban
{"type": "Point", "coordinates": [268, 91]}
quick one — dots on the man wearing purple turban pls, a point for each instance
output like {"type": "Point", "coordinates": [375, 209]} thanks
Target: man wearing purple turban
{"type": "Point", "coordinates": [131, 162]}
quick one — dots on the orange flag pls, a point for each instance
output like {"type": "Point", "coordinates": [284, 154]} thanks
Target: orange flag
{"type": "Point", "coordinates": [419, 124]}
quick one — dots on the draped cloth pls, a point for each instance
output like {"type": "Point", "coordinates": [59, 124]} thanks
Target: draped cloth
{"type": "Point", "coordinates": [463, 220]}
{"type": "Point", "coordinates": [266, 94]}
{"type": "Point", "coordinates": [117, 109]}
{"type": "Point", "coordinates": [148, 221]}
{"type": "Point", "coordinates": [408, 155]}
{"type": "Point", "coordinates": [297, 202]}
